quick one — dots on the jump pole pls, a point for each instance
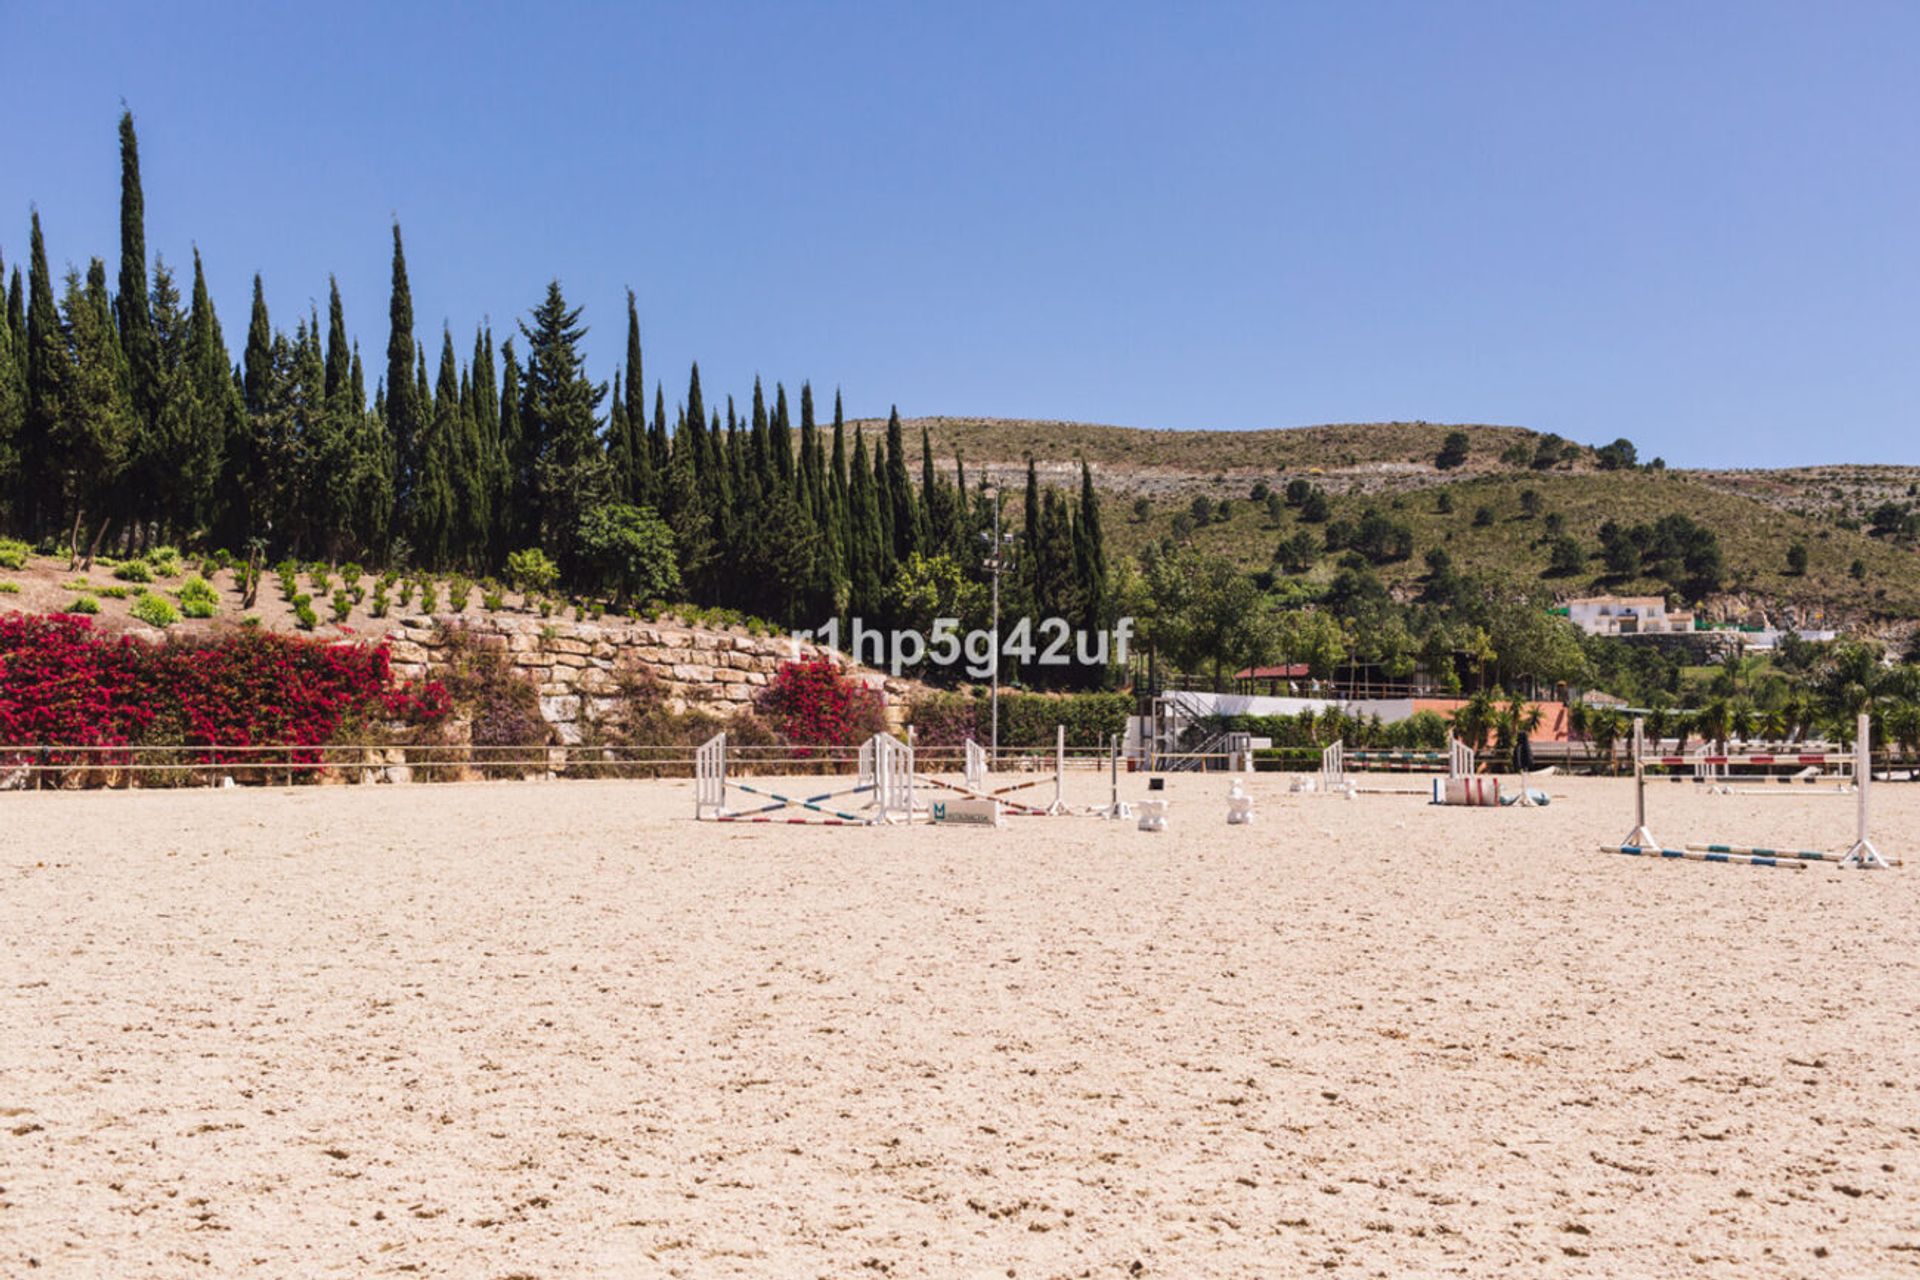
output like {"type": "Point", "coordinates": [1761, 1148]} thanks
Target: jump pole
{"type": "Point", "coordinates": [1691, 855]}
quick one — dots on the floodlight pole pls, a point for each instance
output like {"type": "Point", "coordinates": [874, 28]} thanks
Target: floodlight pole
{"type": "Point", "coordinates": [993, 698]}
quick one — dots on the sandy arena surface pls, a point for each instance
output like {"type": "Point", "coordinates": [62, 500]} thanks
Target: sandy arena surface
{"type": "Point", "coordinates": [547, 1030]}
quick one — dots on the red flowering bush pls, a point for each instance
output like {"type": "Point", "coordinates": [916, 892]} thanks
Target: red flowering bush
{"type": "Point", "coordinates": [816, 704]}
{"type": "Point", "coordinates": [64, 684]}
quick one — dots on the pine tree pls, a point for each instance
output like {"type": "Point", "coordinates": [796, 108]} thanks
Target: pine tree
{"type": "Point", "coordinates": [558, 409]}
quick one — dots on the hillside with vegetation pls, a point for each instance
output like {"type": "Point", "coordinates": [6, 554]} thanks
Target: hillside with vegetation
{"type": "Point", "coordinates": [1505, 508]}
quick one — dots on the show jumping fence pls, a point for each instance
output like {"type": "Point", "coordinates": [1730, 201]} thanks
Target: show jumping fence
{"type": "Point", "coordinates": [1861, 854]}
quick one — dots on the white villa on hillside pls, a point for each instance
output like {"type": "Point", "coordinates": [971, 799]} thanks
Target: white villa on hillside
{"type": "Point", "coordinates": [1628, 616]}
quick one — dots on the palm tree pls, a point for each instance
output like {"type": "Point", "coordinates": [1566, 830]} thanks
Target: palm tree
{"type": "Point", "coordinates": [1713, 720]}
{"type": "Point", "coordinates": [1472, 720]}
{"type": "Point", "coordinates": [1604, 725]}
{"type": "Point", "coordinates": [1742, 719]}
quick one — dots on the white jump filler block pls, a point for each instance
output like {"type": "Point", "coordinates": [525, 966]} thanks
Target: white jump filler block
{"type": "Point", "coordinates": [1239, 805]}
{"type": "Point", "coordinates": [1153, 815]}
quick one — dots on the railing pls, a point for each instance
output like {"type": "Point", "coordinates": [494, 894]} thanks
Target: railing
{"type": "Point", "coordinates": [76, 765]}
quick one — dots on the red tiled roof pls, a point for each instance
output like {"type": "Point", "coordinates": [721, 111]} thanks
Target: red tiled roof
{"type": "Point", "coordinates": [1291, 671]}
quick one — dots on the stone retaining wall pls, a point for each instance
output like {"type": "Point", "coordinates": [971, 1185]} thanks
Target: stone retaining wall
{"type": "Point", "coordinates": [576, 664]}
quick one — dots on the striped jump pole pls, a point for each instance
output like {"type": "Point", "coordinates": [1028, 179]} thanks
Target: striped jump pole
{"type": "Point", "coordinates": [1802, 855]}
{"type": "Point", "coordinates": [1690, 855]}
{"type": "Point", "coordinates": [811, 803]}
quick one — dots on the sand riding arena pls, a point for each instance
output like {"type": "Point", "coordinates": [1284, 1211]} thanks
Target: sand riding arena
{"type": "Point", "coordinates": [563, 1029]}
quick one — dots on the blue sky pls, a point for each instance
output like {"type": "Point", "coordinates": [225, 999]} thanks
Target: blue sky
{"type": "Point", "coordinates": [1693, 225]}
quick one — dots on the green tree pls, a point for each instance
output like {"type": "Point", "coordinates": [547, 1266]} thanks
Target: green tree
{"type": "Point", "coordinates": [94, 419]}
{"type": "Point", "coordinates": [1453, 451]}
{"type": "Point", "coordinates": [1797, 559]}
{"type": "Point", "coordinates": [905, 524]}
{"type": "Point", "coordinates": [1566, 559]}
{"type": "Point", "coordinates": [559, 415]}
{"type": "Point", "coordinates": [1311, 637]}
{"type": "Point", "coordinates": [628, 550]}
{"type": "Point", "coordinates": [46, 366]}
{"type": "Point", "coordinates": [406, 407]}
{"type": "Point", "coordinates": [215, 419]}
{"type": "Point", "coordinates": [146, 455]}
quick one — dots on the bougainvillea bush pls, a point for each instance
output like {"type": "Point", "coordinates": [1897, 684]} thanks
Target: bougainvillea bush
{"type": "Point", "coordinates": [816, 704]}
{"type": "Point", "coordinates": [63, 683]}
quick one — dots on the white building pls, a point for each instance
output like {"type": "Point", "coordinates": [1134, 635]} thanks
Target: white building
{"type": "Point", "coordinates": [1628, 616]}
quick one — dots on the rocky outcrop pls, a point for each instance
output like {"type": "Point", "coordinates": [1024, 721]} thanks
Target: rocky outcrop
{"type": "Point", "coordinates": [579, 666]}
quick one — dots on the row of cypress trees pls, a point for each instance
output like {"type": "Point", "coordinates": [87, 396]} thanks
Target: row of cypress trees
{"type": "Point", "coordinates": [124, 422]}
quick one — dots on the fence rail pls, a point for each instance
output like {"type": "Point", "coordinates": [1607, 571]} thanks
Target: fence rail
{"type": "Point", "coordinates": [38, 766]}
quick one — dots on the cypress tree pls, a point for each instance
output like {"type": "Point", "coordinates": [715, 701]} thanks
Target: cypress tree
{"type": "Point", "coordinates": [907, 528]}
{"type": "Point", "coordinates": [45, 364]}
{"type": "Point", "coordinates": [883, 505]}
{"type": "Point", "coordinates": [17, 314]}
{"type": "Point", "coordinates": [515, 485]}
{"type": "Point", "coordinates": [864, 548]}
{"type": "Point", "coordinates": [813, 462]}
{"type": "Point", "coordinates": [132, 305]}
{"type": "Point", "coordinates": [406, 407]}
{"type": "Point", "coordinates": [640, 483]}
{"type": "Point", "coordinates": [372, 465]}
{"type": "Point", "coordinates": [762, 447]}
{"type": "Point", "coordinates": [780, 438]}
{"type": "Point", "coordinates": [936, 501]}
{"type": "Point", "coordinates": [215, 423]}
{"type": "Point", "coordinates": [164, 468]}
{"type": "Point", "coordinates": [301, 445]}
{"type": "Point", "coordinates": [258, 379]}
{"type": "Point", "coordinates": [658, 449]}
{"type": "Point", "coordinates": [434, 498]}
{"type": "Point", "coordinates": [837, 470]}
{"type": "Point", "coordinates": [95, 417]}
{"type": "Point", "coordinates": [339, 350]}
{"type": "Point", "coordinates": [619, 461]}
{"type": "Point", "coordinates": [13, 401]}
